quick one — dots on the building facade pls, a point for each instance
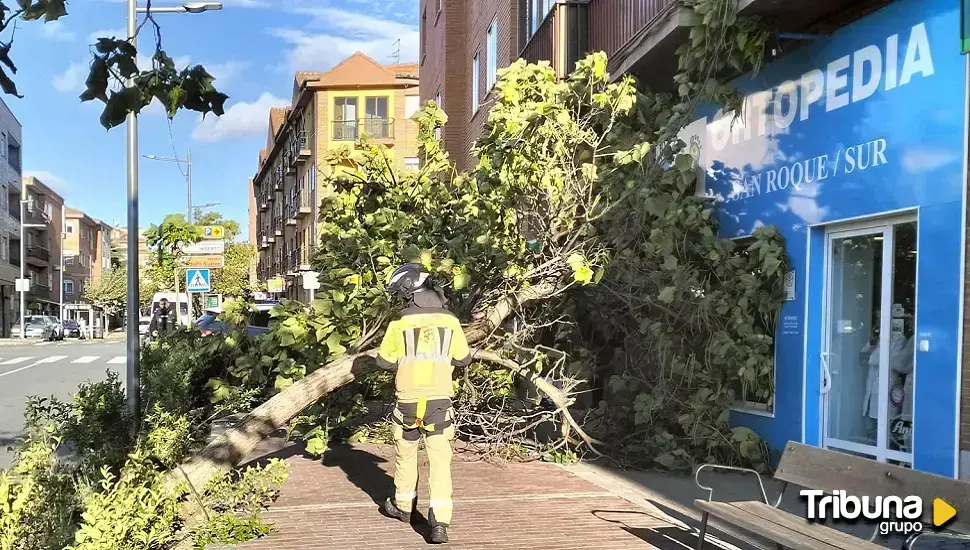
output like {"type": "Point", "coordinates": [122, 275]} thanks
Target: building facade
{"type": "Point", "coordinates": [118, 243]}
{"type": "Point", "coordinates": [853, 144]}
{"type": "Point", "coordinates": [43, 242]}
{"type": "Point", "coordinates": [357, 98]}
{"type": "Point", "coordinates": [83, 254]}
{"type": "Point", "coordinates": [10, 190]}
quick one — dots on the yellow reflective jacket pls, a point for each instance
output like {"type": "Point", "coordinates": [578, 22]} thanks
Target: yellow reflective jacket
{"type": "Point", "coordinates": [426, 344]}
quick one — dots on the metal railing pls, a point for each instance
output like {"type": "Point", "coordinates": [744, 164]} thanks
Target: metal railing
{"type": "Point", "coordinates": [38, 253]}
{"type": "Point", "coordinates": [351, 130]}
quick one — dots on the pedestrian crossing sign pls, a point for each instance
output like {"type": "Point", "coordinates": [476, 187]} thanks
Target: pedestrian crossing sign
{"type": "Point", "coordinates": [197, 280]}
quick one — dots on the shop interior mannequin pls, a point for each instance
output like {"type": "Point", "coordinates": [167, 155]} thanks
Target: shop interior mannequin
{"type": "Point", "coordinates": [901, 349]}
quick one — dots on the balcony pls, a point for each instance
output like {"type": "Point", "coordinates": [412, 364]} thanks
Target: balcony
{"type": "Point", "coordinates": [278, 178]}
{"type": "Point", "coordinates": [288, 164]}
{"type": "Point", "coordinates": [373, 128]}
{"type": "Point", "coordinates": [562, 38]}
{"type": "Point", "coordinates": [261, 240]}
{"type": "Point", "coordinates": [290, 207]}
{"type": "Point", "coordinates": [303, 152]}
{"type": "Point", "coordinates": [40, 290]}
{"type": "Point", "coordinates": [278, 225]}
{"type": "Point", "coordinates": [38, 255]}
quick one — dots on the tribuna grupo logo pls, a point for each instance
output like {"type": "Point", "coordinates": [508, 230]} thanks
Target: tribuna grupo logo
{"type": "Point", "coordinates": [893, 513]}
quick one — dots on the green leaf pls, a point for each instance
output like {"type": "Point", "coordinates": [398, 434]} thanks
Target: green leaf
{"type": "Point", "coordinates": [461, 280]}
{"type": "Point", "coordinates": [333, 343]}
{"type": "Point", "coordinates": [668, 294]}
{"type": "Point", "coordinates": [316, 446]}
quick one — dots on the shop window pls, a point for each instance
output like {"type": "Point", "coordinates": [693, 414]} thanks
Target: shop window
{"type": "Point", "coordinates": [747, 398]}
{"type": "Point", "coordinates": [69, 287]}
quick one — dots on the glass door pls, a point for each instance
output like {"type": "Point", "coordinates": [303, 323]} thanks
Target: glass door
{"type": "Point", "coordinates": [868, 350]}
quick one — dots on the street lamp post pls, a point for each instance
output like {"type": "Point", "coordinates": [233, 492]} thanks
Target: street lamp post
{"type": "Point", "coordinates": [23, 259]}
{"type": "Point", "coordinates": [133, 378]}
{"type": "Point", "coordinates": [188, 177]}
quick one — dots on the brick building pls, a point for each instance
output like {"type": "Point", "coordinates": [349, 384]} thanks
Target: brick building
{"type": "Point", "coordinates": [83, 253]}
{"type": "Point", "coordinates": [330, 110]}
{"type": "Point", "coordinates": [823, 395]}
{"type": "Point", "coordinates": [42, 246]}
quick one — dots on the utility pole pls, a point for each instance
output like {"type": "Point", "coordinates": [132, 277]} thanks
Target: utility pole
{"type": "Point", "coordinates": [133, 376]}
{"type": "Point", "coordinates": [188, 181]}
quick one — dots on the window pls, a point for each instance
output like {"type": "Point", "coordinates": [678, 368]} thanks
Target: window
{"type": "Point", "coordinates": [377, 123]}
{"type": "Point", "coordinates": [13, 153]}
{"type": "Point", "coordinates": [437, 100]}
{"type": "Point", "coordinates": [424, 31]}
{"type": "Point", "coordinates": [48, 210]}
{"type": "Point", "coordinates": [3, 144]}
{"type": "Point", "coordinates": [4, 249]}
{"type": "Point", "coordinates": [411, 163]}
{"type": "Point", "coordinates": [476, 74]}
{"type": "Point", "coordinates": [412, 104]}
{"type": "Point", "coordinates": [536, 13]}
{"type": "Point", "coordinates": [70, 228]}
{"type": "Point", "coordinates": [345, 118]}
{"type": "Point", "coordinates": [68, 287]}
{"type": "Point", "coordinates": [69, 260]}
{"type": "Point", "coordinates": [746, 400]}
{"type": "Point", "coordinates": [441, 5]}
{"type": "Point", "coordinates": [491, 54]}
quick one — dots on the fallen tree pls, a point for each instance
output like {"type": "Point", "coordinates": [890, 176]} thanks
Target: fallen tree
{"type": "Point", "coordinates": [565, 166]}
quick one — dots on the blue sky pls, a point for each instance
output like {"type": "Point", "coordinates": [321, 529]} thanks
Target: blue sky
{"type": "Point", "coordinates": [253, 48]}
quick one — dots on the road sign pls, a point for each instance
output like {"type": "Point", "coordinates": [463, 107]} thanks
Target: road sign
{"type": "Point", "coordinates": [311, 280]}
{"type": "Point", "coordinates": [213, 232]}
{"type": "Point", "coordinates": [197, 280]}
{"type": "Point", "coordinates": [206, 247]}
{"type": "Point", "coordinates": [22, 285]}
{"type": "Point", "coordinates": [210, 261]}
{"type": "Point", "coordinates": [275, 286]}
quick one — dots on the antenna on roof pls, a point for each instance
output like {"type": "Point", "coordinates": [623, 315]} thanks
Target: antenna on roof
{"type": "Point", "coordinates": [396, 54]}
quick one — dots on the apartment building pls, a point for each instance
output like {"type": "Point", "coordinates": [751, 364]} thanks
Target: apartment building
{"type": "Point", "coordinates": [118, 242]}
{"type": "Point", "coordinates": [253, 219]}
{"type": "Point", "coordinates": [838, 148]}
{"type": "Point", "coordinates": [43, 222]}
{"type": "Point", "coordinates": [10, 189]}
{"type": "Point", "coordinates": [357, 98]}
{"type": "Point", "coordinates": [83, 254]}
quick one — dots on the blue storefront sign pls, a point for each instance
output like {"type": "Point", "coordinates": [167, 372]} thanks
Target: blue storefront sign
{"type": "Point", "coordinates": [853, 146]}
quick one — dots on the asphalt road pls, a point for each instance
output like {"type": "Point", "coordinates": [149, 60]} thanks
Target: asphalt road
{"type": "Point", "coordinates": [47, 369]}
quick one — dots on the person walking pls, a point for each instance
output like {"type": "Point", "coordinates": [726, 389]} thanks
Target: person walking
{"type": "Point", "coordinates": [426, 343]}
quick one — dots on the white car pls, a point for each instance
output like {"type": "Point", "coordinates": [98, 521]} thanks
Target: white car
{"type": "Point", "coordinates": [38, 326]}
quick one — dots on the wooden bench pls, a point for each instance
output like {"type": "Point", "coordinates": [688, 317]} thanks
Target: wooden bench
{"type": "Point", "coordinates": [815, 468]}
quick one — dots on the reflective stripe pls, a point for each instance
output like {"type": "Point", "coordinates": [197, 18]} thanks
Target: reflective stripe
{"type": "Point", "coordinates": [440, 503]}
{"type": "Point", "coordinates": [422, 410]}
{"type": "Point", "coordinates": [446, 344]}
{"type": "Point", "coordinates": [409, 349]}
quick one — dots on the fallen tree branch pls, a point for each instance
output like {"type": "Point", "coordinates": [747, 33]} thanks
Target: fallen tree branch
{"type": "Point", "coordinates": [229, 449]}
{"type": "Point", "coordinates": [557, 397]}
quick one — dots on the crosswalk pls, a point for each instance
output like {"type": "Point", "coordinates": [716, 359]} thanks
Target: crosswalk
{"type": "Point", "coordinates": [121, 359]}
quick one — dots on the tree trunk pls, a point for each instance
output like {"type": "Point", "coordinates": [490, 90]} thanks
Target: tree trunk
{"type": "Point", "coordinates": [230, 448]}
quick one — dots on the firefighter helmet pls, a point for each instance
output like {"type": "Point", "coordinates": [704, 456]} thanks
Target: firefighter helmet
{"type": "Point", "coordinates": [408, 279]}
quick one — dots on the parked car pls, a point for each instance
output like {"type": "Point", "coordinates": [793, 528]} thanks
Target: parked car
{"type": "Point", "coordinates": [256, 323]}
{"type": "Point", "coordinates": [39, 326]}
{"type": "Point", "coordinates": [71, 329]}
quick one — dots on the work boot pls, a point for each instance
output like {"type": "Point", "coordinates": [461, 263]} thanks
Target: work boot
{"type": "Point", "coordinates": [391, 510]}
{"type": "Point", "coordinates": [439, 533]}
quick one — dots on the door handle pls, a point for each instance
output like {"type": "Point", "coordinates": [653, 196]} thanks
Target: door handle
{"type": "Point", "coordinates": [826, 375]}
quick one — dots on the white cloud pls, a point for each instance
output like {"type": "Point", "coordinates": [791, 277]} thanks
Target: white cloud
{"type": "Point", "coordinates": [72, 79]}
{"type": "Point", "coordinates": [225, 72]}
{"type": "Point", "coordinates": [241, 119]}
{"type": "Point", "coordinates": [107, 33]}
{"type": "Point", "coordinates": [60, 185]}
{"type": "Point", "coordinates": [346, 32]}
{"type": "Point", "coordinates": [55, 30]}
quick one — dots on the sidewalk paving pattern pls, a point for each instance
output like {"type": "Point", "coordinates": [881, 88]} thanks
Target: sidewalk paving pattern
{"type": "Point", "coordinates": [333, 503]}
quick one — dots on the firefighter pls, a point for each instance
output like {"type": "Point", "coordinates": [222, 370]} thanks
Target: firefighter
{"type": "Point", "coordinates": [426, 343]}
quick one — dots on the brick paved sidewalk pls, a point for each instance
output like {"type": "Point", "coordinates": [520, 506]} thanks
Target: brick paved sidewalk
{"type": "Point", "coordinates": [333, 504]}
